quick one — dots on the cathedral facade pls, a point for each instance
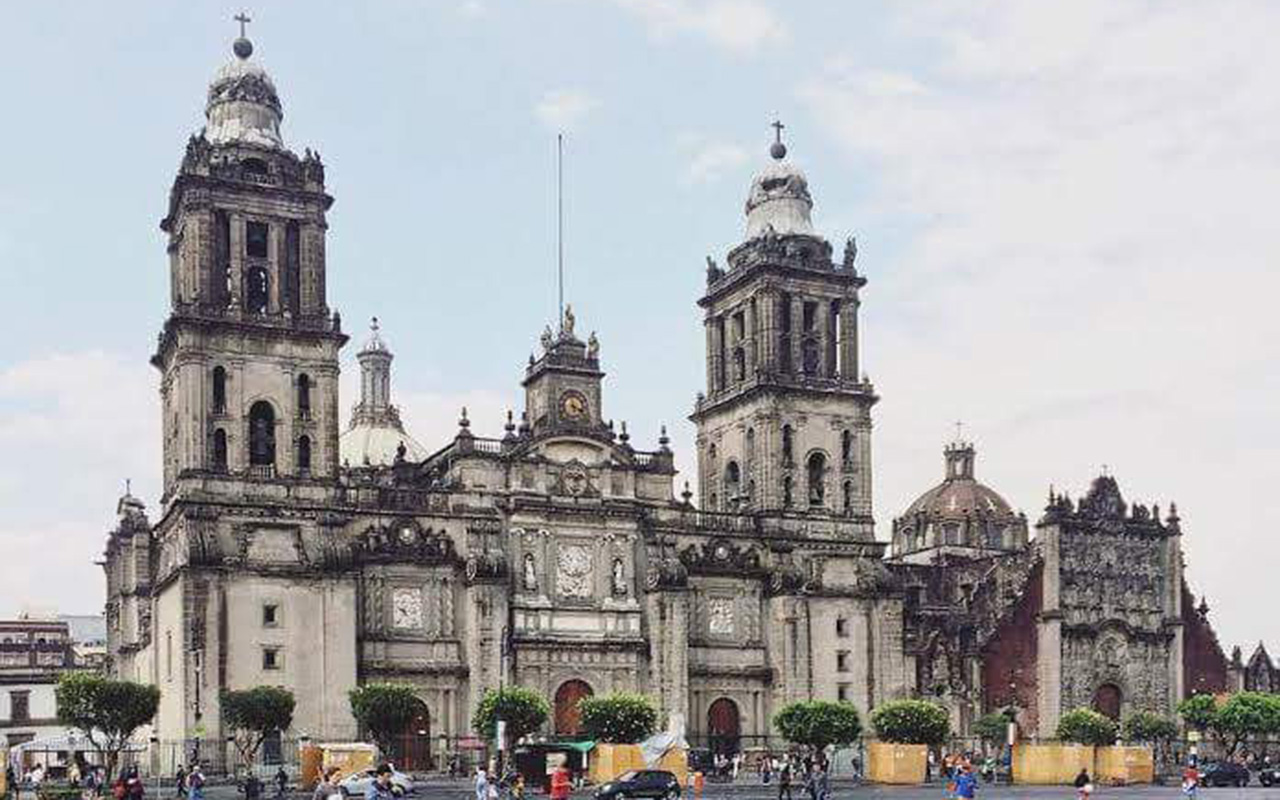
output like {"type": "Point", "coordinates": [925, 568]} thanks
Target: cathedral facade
{"type": "Point", "coordinates": [559, 555]}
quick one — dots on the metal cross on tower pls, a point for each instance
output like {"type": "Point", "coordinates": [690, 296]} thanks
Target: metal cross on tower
{"type": "Point", "coordinates": [243, 19]}
{"type": "Point", "coordinates": [777, 130]}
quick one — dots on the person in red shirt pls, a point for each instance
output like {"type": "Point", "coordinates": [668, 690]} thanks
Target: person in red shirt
{"type": "Point", "coordinates": [560, 783]}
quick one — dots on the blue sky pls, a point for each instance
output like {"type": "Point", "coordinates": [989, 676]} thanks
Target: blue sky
{"type": "Point", "coordinates": [1064, 212]}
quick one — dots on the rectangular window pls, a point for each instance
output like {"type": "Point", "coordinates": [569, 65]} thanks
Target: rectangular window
{"type": "Point", "coordinates": [271, 658]}
{"type": "Point", "coordinates": [19, 706]}
{"type": "Point", "coordinates": [810, 311]}
{"type": "Point", "coordinates": [842, 661]}
{"type": "Point", "coordinates": [255, 239]}
{"type": "Point", "coordinates": [842, 693]}
{"type": "Point", "coordinates": [270, 615]}
{"type": "Point", "coordinates": [842, 627]}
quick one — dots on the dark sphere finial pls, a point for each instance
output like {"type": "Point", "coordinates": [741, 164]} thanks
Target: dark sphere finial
{"type": "Point", "coordinates": [778, 150]}
{"type": "Point", "coordinates": [242, 47]}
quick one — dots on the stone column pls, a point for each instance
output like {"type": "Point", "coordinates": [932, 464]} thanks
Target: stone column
{"type": "Point", "coordinates": [766, 330]}
{"type": "Point", "coordinates": [274, 267]}
{"type": "Point", "coordinates": [823, 315]}
{"type": "Point", "coordinates": [848, 367]}
{"type": "Point", "coordinates": [1049, 636]}
{"type": "Point", "coordinates": [797, 334]}
{"type": "Point", "coordinates": [236, 247]}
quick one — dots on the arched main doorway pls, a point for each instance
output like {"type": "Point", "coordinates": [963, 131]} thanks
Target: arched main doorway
{"type": "Point", "coordinates": [568, 716]}
{"type": "Point", "coordinates": [1107, 699]}
{"type": "Point", "coordinates": [723, 726]}
{"type": "Point", "coordinates": [413, 743]}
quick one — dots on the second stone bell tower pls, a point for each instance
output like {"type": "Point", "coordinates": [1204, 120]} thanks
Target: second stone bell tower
{"type": "Point", "coordinates": [785, 424]}
{"type": "Point", "coordinates": [249, 353]}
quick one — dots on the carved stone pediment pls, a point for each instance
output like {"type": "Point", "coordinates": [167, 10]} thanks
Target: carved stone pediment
{"type": "Point", "coordinates": [405, 540]}
{"type": "Point", "coordinates": [722, 556]}
{"type": "Point", "coordinates": [574, 480]}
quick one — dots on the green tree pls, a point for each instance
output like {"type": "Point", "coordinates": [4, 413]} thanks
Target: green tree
{"type": "Point", "coordinates": [1143, 726]}
{"type": "Point", "coordinates": [383, 710]}
{"type": "Point", "coordinates": [107, 711]}
{"type": "Point", "coordinates": [993, 727]}
{"type": "Point", "coordinates": [523, 710]}
{"type": "Point", "coordinates": [1086, 726]}
{"type": "Point", "coordinates": [1246, 714]}
{"type": "Point", "coordinates": [911, 722]}
{"type": "Point", "coordinates": [254, 714]}
{"type": "Point", "coordinates": [818, 723]}
{"type": "Point", "coordinates": [1198, 711]}
{"type": "Point", "coordinates": [619, 718]}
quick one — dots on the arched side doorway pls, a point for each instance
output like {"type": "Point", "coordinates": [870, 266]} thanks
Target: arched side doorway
{"type": "Point", "coordinates": [724, 727]}
{"type": "Point", "coordinates": [413, 743]}
{"type": "Point", "coordinates": [1107, 700]}
{"type": "Point", "coordinates": [568, 717]}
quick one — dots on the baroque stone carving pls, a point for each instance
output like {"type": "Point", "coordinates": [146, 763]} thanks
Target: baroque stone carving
{"type": "Point", "coordinates": [574, 570]}
{"type": "Point", "coordinates": [720, 616]}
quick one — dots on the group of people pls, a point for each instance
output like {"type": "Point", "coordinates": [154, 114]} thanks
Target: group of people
{"type": "Point", "coordinates": [90, 779]}
{"type": "Point", "coordinates": [952, 765]}
{"type": "Point", "coordinates": [812, 773]}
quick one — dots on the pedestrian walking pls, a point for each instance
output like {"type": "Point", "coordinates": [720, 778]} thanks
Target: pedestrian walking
{"type": "Point", "coordinates": [784, 780]}
{"type": "Point", "coordinates": [482, 784]}
{"type": "Point", "coordinates": [282, 781]}
{"type": "Point", "coordinates": [327, 788]}
{"type": "Point", "coordinates": [134, 790]}
{"type": "Point", "coordinates": [966, 783]}
{"type": "Point", "coordinates": [180, 782]}
{"type": "Point", "coordinates": [195, 783]}
{"type": "Point", "coordinates": [1191, 781]}
{"type": "Point", "coordinates": [380, 788]}
{"type": "Point", "coordinates": [1084, 785]}
{"type": "Point", "coordinates": [560, 783]}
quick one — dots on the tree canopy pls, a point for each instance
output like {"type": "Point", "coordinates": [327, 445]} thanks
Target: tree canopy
{"type": "Point", "coordinates": [1198, 711]}
{"type": "Point", "coordinates": [619, 718]}
{"type": "Point", "coordinates": [1086, 726]}
{"type": "Point", "coordinates": [818, 723]}
{"type": "Point", "coordinates": [911, 722]}
{"type": "Point", "coordinates": [1143, 726]}
{"type": "Point", "coordinates": [383, 710]}
{"type": "Point", "coordinates": [992, 727]}
{"type": "Point", "coordinates": [523, 710]}
{"type": "Point", "coordinates": [254, 714]}
{"type": "Point", "coordinates": [1246, 714]}
{"type": "Point", "coordinates": [107, 711]}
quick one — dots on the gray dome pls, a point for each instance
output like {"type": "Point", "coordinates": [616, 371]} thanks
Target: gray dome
{"type": "Point", "coordinates": [779, 202]}
{"type": "Point", "coordinates": [243, 106]}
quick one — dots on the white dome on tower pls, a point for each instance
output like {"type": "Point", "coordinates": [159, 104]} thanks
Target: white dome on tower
{"type": "Point", "coordinates": [243, 106]}
{"type": "Point", "coordinates": [779, 201]}
{"type": "Point", "coordinates": [376, 434]}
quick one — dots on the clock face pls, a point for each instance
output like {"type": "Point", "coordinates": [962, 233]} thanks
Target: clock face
{"type": "Point", "coordinates": [406, 608]}
{"type": "Point", "coordinates": [573, 406]}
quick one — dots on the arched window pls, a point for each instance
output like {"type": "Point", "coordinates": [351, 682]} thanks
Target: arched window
{"type": "Point", "coordinates": [257, 290]}
{"type": "Point", "coordinates": [846, 449]}
{"type": "Point", "coordinates": [219, 390]}
{"type": "Point", "coordinates": [262, 434]}
{"type": "Point", "coordinates": [788, 492]}
{"type": "Point", "coordinates": [304, 454]}
{"type": "Point", "coordinates": [750, 448]}
{"type": "Point", "coordinates": [254, 168]}
{"type": "Point", "coordinates": [788, 447]}
{"type": "Point", "coordinates": [817, 469]}
{"type": "Point", "coordinates": [304, 396]}
{"type": "Point", "coordinates": [732, 482]}
{"type": "Point", "coordinates": [848, 497]}
{"type": "Point", "coordinates": [219, 455]}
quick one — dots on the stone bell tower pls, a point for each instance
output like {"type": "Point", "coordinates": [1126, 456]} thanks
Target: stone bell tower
{"type": "Point", "coordinates": [785, 424]}
{"type": "Point", "coordinates": [249, 353]}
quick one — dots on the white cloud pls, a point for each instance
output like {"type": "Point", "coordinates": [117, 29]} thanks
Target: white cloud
{"type": "Point", "coordinates": [711, 160]}
{"type": "Point", "coordinates": [473, 8]}
{"type": "Point", "coordinates": [73, 427]}
{"type": "Point", "coordinates": [736, 25]}
{"type": "Point", "coordinates": [564, 109]}
{"type": "Point", "coordinates": [1089, 192]}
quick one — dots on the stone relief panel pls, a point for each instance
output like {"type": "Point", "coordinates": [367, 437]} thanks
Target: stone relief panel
{"type": "Point", "coordinates": [574, 570]}
{"type": "Point", "coordinates": [720, 616]}
{"type": "Point", "coordinates": [406, 609]}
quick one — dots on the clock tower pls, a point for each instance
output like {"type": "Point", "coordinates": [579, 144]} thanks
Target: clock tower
{"type": "Point", "coordinates": [562, 387]}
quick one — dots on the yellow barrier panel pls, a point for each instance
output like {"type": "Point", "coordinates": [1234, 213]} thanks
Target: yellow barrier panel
{"type": "Point", "coordinates": [1051, 763]}
{"type": "Point", "coordinates": [1124, 765]}
{"type": "Point", "coordinates": [897, 764]}
{"type": "Point", "coordinates": [608, 761]}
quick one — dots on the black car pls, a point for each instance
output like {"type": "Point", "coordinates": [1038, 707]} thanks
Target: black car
{"type": "Point", "coordinates": [641, 783]}
{"type": "Point", "coordinates": [1224, 773]}
{"type": "Point", "coordinates": [1269, 776]}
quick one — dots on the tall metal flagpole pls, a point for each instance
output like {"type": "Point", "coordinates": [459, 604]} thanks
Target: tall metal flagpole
{"type": "Point", "coordinates": [560, 224]}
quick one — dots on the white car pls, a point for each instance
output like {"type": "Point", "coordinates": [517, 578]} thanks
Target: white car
{"type": "Point", "coordinates": [357, 784]}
